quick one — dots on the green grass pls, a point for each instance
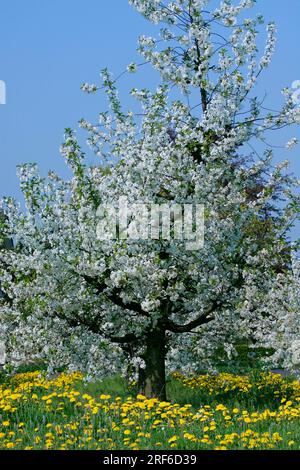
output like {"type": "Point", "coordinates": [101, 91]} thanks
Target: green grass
{"type": "Point", "coordinates": [74, 414]}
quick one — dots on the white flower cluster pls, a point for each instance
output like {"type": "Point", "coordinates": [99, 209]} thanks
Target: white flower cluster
{"type": "Point", "coordinates": [292, 143]}
{"type": "Point", "coordinates": [86, 87]}
{"type": "Point", "coordinates": [132, 68]}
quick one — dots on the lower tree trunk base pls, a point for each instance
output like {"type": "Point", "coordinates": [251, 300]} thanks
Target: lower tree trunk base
{"type": "Point", "coordinates": [152, 379]}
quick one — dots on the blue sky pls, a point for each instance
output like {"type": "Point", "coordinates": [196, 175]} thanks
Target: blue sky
{"type": "Point", "coordinates": [48, 48]}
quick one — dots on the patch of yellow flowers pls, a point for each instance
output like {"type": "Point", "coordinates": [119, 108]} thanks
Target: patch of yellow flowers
{"type": "Point", "coordinates": [37, 413]}
{"type": "Point", "coordinates": [225, 383]}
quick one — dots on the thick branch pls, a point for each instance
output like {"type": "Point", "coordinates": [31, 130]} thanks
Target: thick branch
{"type": "Point", "coordinates": [129, 338]}
{"type": "Point", "coordinates": [201, 320]}
{"type": "Point", "coordinates": [95, 328]}
{"type": "Point", "coordinates": [203, 91]}
{"type": "Point", "coordinates": [114, 296]}
{"type": "Point", "coordinates": [117, 300]}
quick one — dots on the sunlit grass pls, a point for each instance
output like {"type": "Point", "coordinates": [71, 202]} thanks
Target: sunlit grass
{"type": "Point", "coordinates": [260, 411]}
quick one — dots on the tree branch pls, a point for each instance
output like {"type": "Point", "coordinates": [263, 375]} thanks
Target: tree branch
{"type": "Point", "coordinates": [129, 338]}
{"type": "Point", "coordinates": [114, 296]}
{"type": "Point", "coordinates": [201, 320]}
{"type": "Point", "coordinates": [95, 328]}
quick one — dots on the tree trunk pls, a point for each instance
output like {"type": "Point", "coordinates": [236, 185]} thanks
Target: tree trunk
{"type": "Point", "coordinates": [152, 379]}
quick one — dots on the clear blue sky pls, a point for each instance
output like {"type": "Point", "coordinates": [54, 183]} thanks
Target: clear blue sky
{"type": "Point", "coordinates": [49, 47]}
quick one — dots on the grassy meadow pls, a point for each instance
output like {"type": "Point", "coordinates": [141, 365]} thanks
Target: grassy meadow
{"type": "Point", "coordinates": [222, 412]}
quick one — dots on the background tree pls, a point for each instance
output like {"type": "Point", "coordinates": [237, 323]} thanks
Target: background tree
{"type": "Point", "coordinates": [103, 305]}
